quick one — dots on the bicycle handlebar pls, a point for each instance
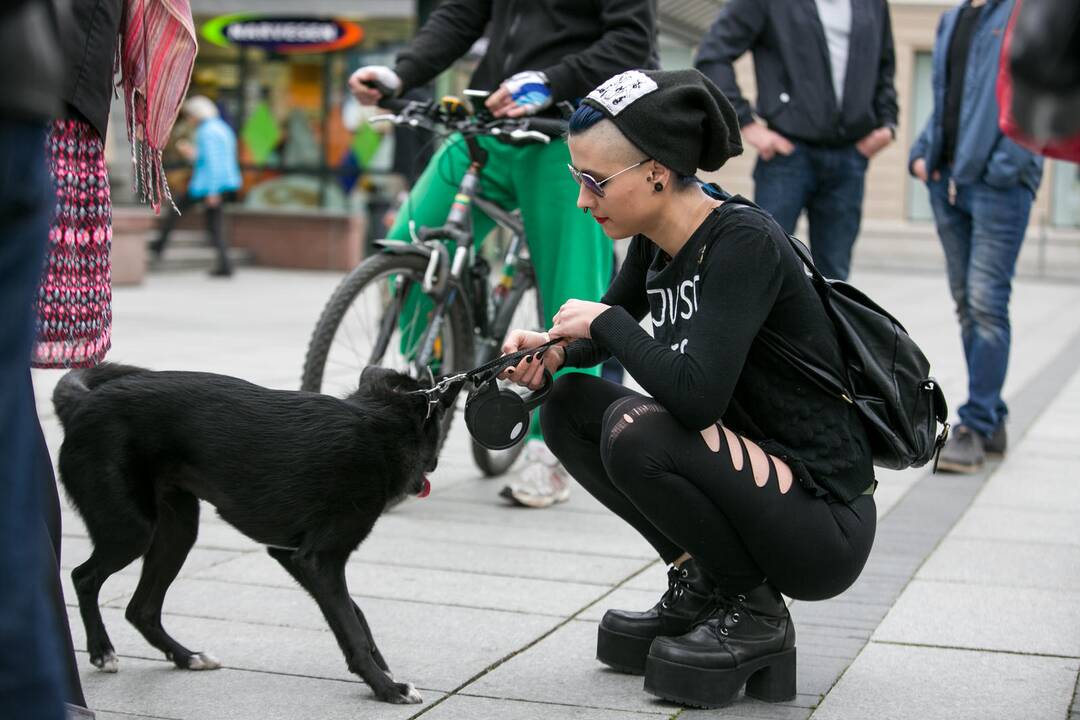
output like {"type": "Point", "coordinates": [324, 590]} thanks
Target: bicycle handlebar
{"type": "Point", "coordinates": [454, 117]}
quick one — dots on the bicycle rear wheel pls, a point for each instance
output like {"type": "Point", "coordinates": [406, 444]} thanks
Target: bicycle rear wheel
{"type": "Point", "coordinates": [374, 317]}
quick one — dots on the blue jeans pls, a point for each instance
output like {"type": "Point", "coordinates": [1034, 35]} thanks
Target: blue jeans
{"type": "Point", "coordinates": [829, 183]}
{"type": "Point", "coordinates": [981, 232]}
{"type": "Point", "coordinates": [30, 678]}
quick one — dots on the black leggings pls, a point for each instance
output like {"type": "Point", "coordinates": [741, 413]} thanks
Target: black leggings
{"type": "Point", "coordinates": [663, 479]}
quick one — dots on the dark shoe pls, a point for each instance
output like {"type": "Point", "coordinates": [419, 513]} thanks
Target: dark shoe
{"type": "Point", "coordinates": [746, 640]}
{"type": "Point", "coordinates": [964, 451]}
{"type": "Point", "coordinates": [624, 636]}
{"type": "Point", "coordinates": [221, 272]}
{"type": "Point", "coordinates": [997, 443]}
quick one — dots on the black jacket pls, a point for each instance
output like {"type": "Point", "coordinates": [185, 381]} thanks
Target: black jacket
{"type": "Point", "coordinates": [30, 82]}
{"type": "Point", "coordinates": [791, 61]}
{"type": "Point", "coordinates": [577, 43]}
{"type": "Point", "coordinates": [90, 41]}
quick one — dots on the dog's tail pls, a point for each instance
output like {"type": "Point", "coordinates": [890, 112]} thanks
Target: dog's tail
{"type": "Point", "coordinates": [74, 386]}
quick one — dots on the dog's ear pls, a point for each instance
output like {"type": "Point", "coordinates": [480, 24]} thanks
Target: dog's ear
{"type": "Point", "coordinates": [371, 373]}
{"type": "Point", "coordinates": [448, 398]}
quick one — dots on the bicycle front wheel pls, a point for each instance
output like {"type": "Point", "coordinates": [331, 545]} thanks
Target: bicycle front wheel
{"type": "Point", "coordinates": [378, 315]}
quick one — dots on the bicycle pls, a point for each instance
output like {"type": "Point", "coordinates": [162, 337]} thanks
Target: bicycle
{"type": "Point", "coordinates": [464, 313]}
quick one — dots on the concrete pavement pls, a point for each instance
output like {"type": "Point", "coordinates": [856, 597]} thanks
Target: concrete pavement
{"type": "Point", "coordinates": [969, 607]}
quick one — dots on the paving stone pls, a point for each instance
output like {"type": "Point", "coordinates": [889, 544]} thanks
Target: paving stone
{"type": "Point", "coordinates": [890, 682]}
{"type": "Point", "coordinates": [985, 618]}
{"type": "Point", "coordinates": [1014, 564]}
{"type": "Point", "coordinates": [562, 669]}
{"type": "Point", "coordinates": [623, 599]}
{"type": "Point", "coordinates": [486, 493]}
{"type": "Point", "coordinates": [468, 707]}
{"type": "Point", "coordinates": [1053, 490]}
{"type": "Point", "coordinates": [512, 562]}
{"type": "Point", "coordinates": [75, 551]}
{"type": "Point", "coordinates": [155, 689]}
{"type": "Point", "coordinates": [431, 646]}
{"type": "Point", "coordinates": [621, 541]}
{"type": "Point", "coordinates": [477, 590]}
{"type": "Point", "coordinates": [1016, 524]}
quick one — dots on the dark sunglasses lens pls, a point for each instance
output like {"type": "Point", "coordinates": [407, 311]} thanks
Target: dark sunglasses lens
{"type": "Point", "coordinates": [591, 185]}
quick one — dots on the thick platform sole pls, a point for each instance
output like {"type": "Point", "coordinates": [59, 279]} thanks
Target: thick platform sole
{"type": "Point", "coordinates": [625, 653]}
{"type": "Point", "coordinates": [770, 678]}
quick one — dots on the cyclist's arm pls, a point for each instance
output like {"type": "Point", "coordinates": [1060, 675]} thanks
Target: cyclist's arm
{"type": "Point", "coordinates": [626, 42]}
{"type": "Point", "coordinates": [627, 291]}
{"type": "Point", "coordinates": [447, 35]}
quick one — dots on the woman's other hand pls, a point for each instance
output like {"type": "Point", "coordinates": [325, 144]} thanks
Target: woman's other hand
{"type": "Point", "coordinates": [530, 371]}
{"type": "Point", "coordinates": [574, 318]}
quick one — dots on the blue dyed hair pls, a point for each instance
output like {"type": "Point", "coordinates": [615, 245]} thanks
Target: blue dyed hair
{"type": "Point", "coordinates": [586, 116]}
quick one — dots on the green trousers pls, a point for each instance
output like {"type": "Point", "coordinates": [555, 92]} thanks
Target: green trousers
{"type": "Point", "coordinates": [570, 253]}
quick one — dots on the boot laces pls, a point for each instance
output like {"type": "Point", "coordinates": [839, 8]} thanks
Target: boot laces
{"type": "Point", "coordinates": [676, 578]}
{"type": "Point", "coordinates": [722, 609]}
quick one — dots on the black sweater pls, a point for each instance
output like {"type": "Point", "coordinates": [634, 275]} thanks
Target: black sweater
{"type": "Point", "coordinates": [735, 275]}
{"type": "Point", "coordinates": [578, 44]}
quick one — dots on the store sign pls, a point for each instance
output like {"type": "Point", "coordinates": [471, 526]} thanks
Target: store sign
{"type": "Point", "coordinates": [282, 34]}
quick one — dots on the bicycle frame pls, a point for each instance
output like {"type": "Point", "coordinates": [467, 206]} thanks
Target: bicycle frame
{"type": "Point", "coordinates": [444, 277]}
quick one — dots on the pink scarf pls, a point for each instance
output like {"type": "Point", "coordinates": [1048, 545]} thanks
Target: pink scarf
{"type": "Point", "coordinates": [157, 54]}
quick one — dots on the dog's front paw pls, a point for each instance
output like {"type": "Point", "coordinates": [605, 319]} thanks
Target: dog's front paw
{"type": "Point", "coordinates": [203, 661]}
{"type": "Point", "coordinates": [106, 663]}
{"type": "Point", "coordinates": [403, 694]}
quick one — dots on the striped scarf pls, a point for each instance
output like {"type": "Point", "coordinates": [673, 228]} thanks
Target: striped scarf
{"type": "Point", "coordinates": [157, 54]}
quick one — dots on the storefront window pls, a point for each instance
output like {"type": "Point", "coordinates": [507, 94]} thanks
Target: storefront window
{"type": "Point", "coordinates": [303, 141]}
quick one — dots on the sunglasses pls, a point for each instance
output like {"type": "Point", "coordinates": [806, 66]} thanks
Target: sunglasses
{"type": "Point", "coordinates": [592, 184]}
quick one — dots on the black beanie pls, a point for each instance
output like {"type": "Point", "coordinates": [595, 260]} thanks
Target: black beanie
{"type": "Point", "coordinates": [677, 117]}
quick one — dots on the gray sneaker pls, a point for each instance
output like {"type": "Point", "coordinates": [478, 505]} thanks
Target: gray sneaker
{"type": "Point", "coordinates": [996, 444]}
{"type": "Point", "coordinates": [964, 451]}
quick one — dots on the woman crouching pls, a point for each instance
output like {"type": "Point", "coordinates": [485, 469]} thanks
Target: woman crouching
{"type": "Point", "coordinates": [746, 479]}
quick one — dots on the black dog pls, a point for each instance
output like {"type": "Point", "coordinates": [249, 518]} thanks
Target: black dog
{"type": "Point", "coordinates": [305, 474]}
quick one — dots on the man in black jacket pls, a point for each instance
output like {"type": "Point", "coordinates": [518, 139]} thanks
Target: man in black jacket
{"type": "Point", "coordinates": [826, 104]}
{"type": "Point", "coordinates": [31, 685]}
{"type": "Point", "coordinates": [540, 53]}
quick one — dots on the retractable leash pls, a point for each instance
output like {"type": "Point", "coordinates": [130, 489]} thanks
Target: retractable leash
{"type": "Point", "coordinates": [497, 418]}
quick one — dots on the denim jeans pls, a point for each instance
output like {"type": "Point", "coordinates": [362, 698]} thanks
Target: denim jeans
{"type": "Point", "coordinates": [829, 183]}
{"type": "Point", "coordinates": [981, 232]}
{"type": "Point", "coordinates": [30, 679]}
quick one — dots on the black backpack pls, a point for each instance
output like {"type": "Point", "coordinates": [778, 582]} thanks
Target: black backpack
{"type": "Point", "coordinates": [885, 374]}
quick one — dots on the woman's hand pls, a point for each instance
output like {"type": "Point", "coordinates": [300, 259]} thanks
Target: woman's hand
{"type": "Point", "coordinates": [574, 318]}
{"type": "Point", "coordinates": [530, 371]}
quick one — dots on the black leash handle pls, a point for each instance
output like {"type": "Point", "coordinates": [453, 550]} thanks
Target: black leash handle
{"type": "Point", "coordinates": [501, 363]}
{"type": "Point", "coordinates": [490, 369]}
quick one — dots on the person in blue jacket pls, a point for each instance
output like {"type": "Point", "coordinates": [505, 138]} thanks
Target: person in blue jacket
{"type": "Point", "coordinates": [981, 187]}
{"type": "Point", "coordinates": [215, 174]}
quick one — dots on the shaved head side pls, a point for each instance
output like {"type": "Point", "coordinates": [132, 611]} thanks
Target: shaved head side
{"type": "Point", "coordinates": [605, 140]}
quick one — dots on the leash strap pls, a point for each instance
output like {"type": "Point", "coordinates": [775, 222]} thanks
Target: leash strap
{"type": "Point", "coordinates": [480, 375]}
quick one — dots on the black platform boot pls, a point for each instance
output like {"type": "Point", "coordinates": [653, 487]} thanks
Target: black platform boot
{"type": "Point", "coordinates": [624, 637]}
{"type": "Point", "coordinates": [746, 640]}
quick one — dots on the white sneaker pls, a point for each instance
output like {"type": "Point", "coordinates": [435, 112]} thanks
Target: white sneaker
{"type": "Point", "coordinates": [542, 483]}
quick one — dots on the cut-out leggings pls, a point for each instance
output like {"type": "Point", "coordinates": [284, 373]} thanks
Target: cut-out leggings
{"type": "Point", "coordinates": [683, 496]}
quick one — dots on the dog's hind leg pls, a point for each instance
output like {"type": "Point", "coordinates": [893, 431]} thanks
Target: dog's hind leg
{"type": "Point", "coordinates": [112, 552]}
{"type": "Point", "coordinates": [322, 574]}
{"type": "Point", "coordinates": [174, 535]}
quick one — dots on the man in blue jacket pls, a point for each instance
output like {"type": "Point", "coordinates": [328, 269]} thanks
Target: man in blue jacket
{"type": "Point", "coordinates": [825, 105]}
{"type": "Point", "coordinates": [981, 187]}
